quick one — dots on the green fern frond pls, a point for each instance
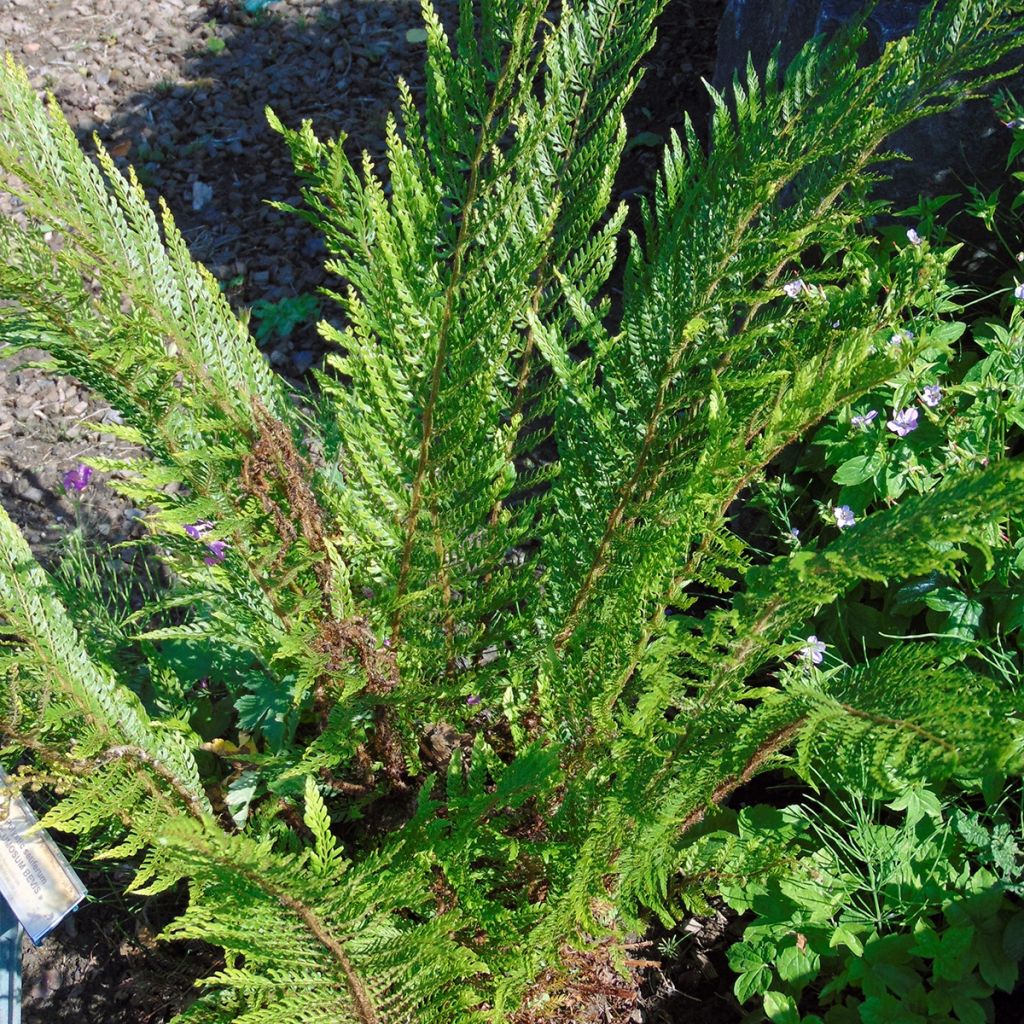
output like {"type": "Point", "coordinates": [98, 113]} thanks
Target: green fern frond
{"type": "Point", "coordinates": [49, 645]}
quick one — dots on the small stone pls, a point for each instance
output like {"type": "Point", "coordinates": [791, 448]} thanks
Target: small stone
{"type": "Point", "coordinates": [302, 361]}
{"type": "Point", "coordinates": [29, 493]}
{"type": "Point", "coordinates": [201, 194]}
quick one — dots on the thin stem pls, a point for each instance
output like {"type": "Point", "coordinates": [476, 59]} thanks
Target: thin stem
{"type": "Point", "coordinates": [772, 745]}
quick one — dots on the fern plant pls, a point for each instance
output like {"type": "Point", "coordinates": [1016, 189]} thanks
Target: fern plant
{"type": "Point", "coordinates": [478, 638]}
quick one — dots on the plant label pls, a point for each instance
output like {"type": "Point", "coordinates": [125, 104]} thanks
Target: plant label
{"type": "Point", "coordinates": [40, 886]}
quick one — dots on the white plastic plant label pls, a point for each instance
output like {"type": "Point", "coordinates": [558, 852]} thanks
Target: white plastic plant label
{"type": "Point", "coordinates": [40, 886]}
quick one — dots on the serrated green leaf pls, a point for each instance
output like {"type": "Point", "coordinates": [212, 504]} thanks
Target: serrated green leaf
{"type": "Point", "coordinates": [752, 983]}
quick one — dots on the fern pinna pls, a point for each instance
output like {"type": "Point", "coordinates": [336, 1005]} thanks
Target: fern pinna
{"type": "Point", "coordinates": [505, 505]}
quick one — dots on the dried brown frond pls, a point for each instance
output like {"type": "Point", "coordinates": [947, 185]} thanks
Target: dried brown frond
{"type": "Point", "coordinates": [596, 985]}
{"type": "Point", "coordinates": [279, 477]}
{"type": "Point", "coordinates": [340, 641]}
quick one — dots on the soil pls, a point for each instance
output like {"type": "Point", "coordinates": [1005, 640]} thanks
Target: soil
{"type": "Point", "coordinates": [177, 88]}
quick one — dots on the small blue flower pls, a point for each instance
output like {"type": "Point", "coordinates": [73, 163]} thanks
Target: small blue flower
{"type": "Point", "coordinates": [844, 516]}
{"type": "Point", "coordinates": [903, 422]}
{"type": "Point", "coordinates": [77, 479]}
{"type": "Point", "coordinates": [794, 288]}
{"type": "Point", "coordinates": [1018, 292]}
{"type": "Point", "coordinates": [813, 650]}
{"type": "Point", "coordinates": [218, 552]}
{"type": "Point", "coordinates": [932, 395]}
{"type": "Point", "coordinates": [199, 529]}
{"type": "Point", "coordinates": [472, 700]}
{"type": "Point", "coordinates": [897, 339]}
{"type": "Point", "coordinates": [863, 421]}
{"type": "Point", "coordinates": [913, 237]}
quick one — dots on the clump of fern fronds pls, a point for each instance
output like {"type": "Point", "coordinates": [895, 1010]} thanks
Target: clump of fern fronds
{"type": "Point", "coordinates": [484, 594]}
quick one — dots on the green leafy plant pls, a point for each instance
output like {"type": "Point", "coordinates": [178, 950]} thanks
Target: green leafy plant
{"type": "Point", "coordinates": [279, 319]}
{"type": "Point", "coordinates": [907, 919]}
{"type": "Point", "coordinates": [215, 45]}
{"type": "Point", "coordinates": [963, 407]}
{"type": "Point", "coordinates": [455, 655]}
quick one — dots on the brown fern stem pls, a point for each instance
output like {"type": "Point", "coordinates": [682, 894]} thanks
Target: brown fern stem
{"type": "Point", "coordinates": [772, 745]}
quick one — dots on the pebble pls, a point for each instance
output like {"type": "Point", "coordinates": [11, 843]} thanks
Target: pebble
{"type": "Point", "coordinates": [28, 491]}
{"type": "Point", "coordinates": [302, 361]}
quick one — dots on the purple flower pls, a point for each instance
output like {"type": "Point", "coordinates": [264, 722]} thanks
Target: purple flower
{"type": "Point", "coordinates": [794, 532]}
{"type": "Point", "coordinates": [77, 479]}
{"type": "Point", "coordinates": [863, 421]}
{"type": "Point", "coordinates": [218, 552]}
{"type": "Point", "coordinates": [913, 237]}
{"type": "Point", "coordinates": [1018, 292]}
{"type": "Point", "coordinates": [472, 700]}
{"type": "Point", "coordinates": [844, 516]}
{"type": "Point", "coordinates": [794, 288]}
{"type": "Point", "coordinates": [903, 422]}
{"type": "Point", "coordinates": [1017, 122]}
{"type": "Point", "coordinates": [932, 395]}
{"type": "Point", "coordinates": [218, 548]}
{"type": "Point", "coordinates": [199, 529]}
{"type": "Point", "coordinates": [813, 651]}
